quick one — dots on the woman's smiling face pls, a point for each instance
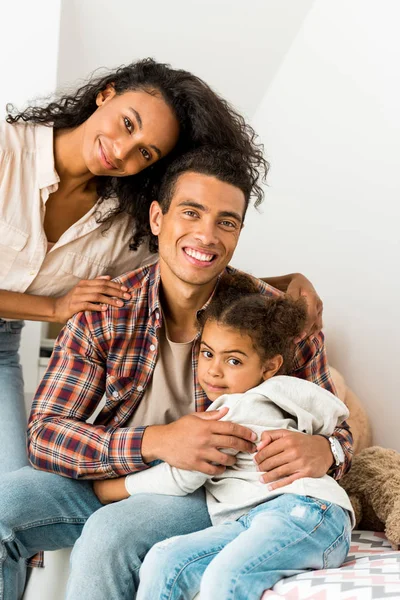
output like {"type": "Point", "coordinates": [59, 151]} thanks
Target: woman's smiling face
{"type": "Point", "coordinates": [128, 132]}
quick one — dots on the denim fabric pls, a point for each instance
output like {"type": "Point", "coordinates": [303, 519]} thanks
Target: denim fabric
{"type": "Point", "coordinates": [12, 408]}
{"type": "Point", "coordinates": [240, 559]}
{"type": "Point", "coordinates": [44, 511]}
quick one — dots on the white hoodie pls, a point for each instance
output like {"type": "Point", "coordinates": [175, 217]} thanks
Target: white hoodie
{"type": "Point", "coordinates": [281, 402]}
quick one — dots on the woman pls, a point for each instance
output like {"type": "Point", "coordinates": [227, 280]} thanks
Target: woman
{"type": "Point", "coordinates": [77, 175]}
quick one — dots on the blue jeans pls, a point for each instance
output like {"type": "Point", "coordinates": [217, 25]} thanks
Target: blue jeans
{"type": "Point", "coordinates": [240, 559]}
{"type": "Point", "coordinates": [44, 511]}
{"type": "Point", "coordinates": [12, 408]}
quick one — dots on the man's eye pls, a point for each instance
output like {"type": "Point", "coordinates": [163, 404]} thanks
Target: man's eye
{"type": "Point", "coordinates": [228, 224]}
{"type": "Point", "coordinates": [128, 124]}
{"type": "Point", "coordinates": [190, 213]}
{"type": "Point", "coordinates": [146, 155]}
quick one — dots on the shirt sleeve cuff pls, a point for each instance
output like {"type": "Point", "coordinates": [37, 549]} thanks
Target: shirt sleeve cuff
{"type": "Point", "coordinates": [124, 451]}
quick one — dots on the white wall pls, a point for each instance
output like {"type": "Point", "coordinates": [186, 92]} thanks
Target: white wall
{"type": "Point", "coordinates": [28, 66]}
{"type": "Point", "coordinates": [236, 46]}
{"type": "Point", "coordinates": [321, 83]}
{"type": "Point", "coordinates": [331, 124]}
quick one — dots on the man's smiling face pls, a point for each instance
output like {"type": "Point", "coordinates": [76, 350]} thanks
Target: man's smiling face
{"type": "Point", "coordinates": [200, 231]}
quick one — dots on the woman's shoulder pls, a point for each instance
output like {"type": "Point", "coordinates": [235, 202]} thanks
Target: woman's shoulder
{"type": "Point", "coordinates": [17, 136]}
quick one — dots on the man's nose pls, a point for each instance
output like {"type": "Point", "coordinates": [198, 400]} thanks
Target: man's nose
{"type": "Point", "coordinates": [207, 233]}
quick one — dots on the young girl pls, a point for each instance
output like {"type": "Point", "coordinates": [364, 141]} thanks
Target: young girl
{"type": "Point", "coordinates": [77, 176]}
{"type": "Point", "coordinates": [258, 535]}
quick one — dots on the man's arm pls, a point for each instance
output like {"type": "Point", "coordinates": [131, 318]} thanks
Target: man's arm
{"type": "Point", "coordinates": [59, 439]}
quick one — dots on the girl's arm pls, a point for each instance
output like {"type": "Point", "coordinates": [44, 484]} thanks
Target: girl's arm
{"type": "Point", "coordinates": [161, 479]}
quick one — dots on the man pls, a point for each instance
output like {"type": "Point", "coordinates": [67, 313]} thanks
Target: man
{"type": "Point", "coordinates": [144, 357]}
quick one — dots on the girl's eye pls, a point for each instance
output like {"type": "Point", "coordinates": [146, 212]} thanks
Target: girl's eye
{"type": "Point", "coordinates": [128, 124]}
{"type": "Point", "coordinates": [234, 361]}
{"type": "Point", "coordinates": [146, 155]}
{"type": "Point", "coordinates": [206, 353]}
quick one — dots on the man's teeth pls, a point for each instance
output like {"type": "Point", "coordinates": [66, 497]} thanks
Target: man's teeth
{"type": "Point", "coordinates": [199, 255]}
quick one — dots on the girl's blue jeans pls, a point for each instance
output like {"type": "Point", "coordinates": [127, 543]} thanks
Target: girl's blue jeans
{"type": "Point", "coordinates": [240, 559]}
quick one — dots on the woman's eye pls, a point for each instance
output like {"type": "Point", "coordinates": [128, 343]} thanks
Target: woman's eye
{"type": "Point", "coordinates": [206, 354]}
{"type": "Point", "coordinates": [128, 124]}
{"type": "Point", "coordinates": [146, 155]}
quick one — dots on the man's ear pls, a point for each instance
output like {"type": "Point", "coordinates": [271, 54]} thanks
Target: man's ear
{"type": "Point", "coordinates": [272, 366]}
{"type": "Point", "coordinates": [106, 94]}
{"type": "Point", "coordinates": [156, 217]}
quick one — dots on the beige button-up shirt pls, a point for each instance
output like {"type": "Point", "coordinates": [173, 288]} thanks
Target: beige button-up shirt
{"type": "Point", "coordinates": [84, 251]}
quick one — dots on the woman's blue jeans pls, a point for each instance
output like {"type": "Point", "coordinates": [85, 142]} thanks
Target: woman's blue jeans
{"type": "Point", "coordinates": [12, 408]}
{"type": "Point", "coordinates": [44, 511]}
{"type": "Point", "coordinates": [238, 560]}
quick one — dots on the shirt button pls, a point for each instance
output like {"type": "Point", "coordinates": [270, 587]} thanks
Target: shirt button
{"type": "Point", "coordinates": [115, 394]}
{"type": "Point", "coordinates": [139, 388]}
{"type": "Point", "coordinates": [157, 315]}
{"type": "Point", "coordinates": [116, 419]}
{"type": "Point", "coordinates": [152, 347]}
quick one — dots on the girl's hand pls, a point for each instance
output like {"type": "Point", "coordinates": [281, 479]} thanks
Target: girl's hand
{"type": "Point", "coordinates": [110, 490]}
{"type": "Point", "coordinates": [90, 294]}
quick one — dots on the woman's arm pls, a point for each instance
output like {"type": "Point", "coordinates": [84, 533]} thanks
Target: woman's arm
{"type": "Point", "coordinates": [93, 294]}
{"type": "Point", "coordinates": [297, 285]}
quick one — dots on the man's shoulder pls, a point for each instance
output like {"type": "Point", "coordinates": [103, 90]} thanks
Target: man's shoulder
{"type": "Point", "coordinates": [141, 280]}
{"type": "Point", "coordinates": [263, 287]}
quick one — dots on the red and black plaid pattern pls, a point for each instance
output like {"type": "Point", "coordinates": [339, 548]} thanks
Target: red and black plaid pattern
{"type": "Point", "coordinates": [114, 353]}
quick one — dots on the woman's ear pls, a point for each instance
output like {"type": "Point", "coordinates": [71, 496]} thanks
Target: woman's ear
{"type": "Point", "coordinates": [155, 217]}
{"type": "Point", "coordinates": [272, 366]}
{"type": "Point", "coordinates": [106, 94]}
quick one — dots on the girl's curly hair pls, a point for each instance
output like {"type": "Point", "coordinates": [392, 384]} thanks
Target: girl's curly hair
{"type": "Point", "coordinates": [204, 118]}
{"type": "Point", "coordinates": [272, 323]}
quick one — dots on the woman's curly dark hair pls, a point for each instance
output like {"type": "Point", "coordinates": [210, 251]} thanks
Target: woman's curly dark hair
{"type": "Point", "coordinates": [204, 118]}
{"type": "Point", "coordinates": [272, 323]}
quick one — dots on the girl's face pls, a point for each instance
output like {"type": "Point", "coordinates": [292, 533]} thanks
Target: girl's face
{"type": "Point", "coordinates": [127, 132]}
{"type": "Point", "coordinates": [228, 362]}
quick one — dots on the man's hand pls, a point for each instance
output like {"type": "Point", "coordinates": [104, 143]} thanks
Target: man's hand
{"type": "Point", "coordinates": [301, 287]}
{"type": "Point", "coordinates": [110, 490]}
{"type": "Point", "coordinates": [289, 455]}
{"type": "Point", "coordinates": [194, 442]}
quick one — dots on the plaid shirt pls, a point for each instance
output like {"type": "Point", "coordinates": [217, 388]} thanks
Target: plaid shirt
{"type": "Point", "coordinates": [114, 353]}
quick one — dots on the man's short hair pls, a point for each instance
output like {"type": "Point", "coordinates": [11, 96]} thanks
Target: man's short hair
{"type": "Point", "coordinates": [225, 165]}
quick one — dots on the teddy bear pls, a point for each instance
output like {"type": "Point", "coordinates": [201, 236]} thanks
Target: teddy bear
{"type": "Point", "coordinates": [373, 485]}
{"type": "Point", "coordinates": [373, 482]}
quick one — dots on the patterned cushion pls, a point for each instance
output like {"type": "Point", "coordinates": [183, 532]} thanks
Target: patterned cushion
{"type": "Point", "coordinates": [370, 572]}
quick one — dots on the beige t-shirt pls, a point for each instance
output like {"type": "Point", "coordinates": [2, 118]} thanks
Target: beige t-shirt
{"type": "Point", "coordinates": [84, 251]}
{"type": "Point", "coordinates": [170, 393]}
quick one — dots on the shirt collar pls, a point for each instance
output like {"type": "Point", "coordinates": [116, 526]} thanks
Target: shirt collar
{"type": "Point", "coordinates": [154, 290]}
{"type": "Point", "coordinates": [46, 173]}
